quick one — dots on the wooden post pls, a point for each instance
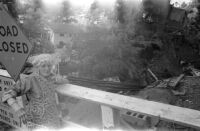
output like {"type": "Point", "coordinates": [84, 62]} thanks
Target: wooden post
{"type": "Point", "coordinates": [107, 117]}
{"type": "Point", "coordinates": [110, 118]}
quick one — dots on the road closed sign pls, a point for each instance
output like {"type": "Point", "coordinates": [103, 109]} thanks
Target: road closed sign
{"type": "Point", "coordinates": [14, 46]}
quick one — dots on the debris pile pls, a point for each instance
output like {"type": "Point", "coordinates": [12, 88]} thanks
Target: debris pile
{"type": "Point", "coordinates": [182, 91]}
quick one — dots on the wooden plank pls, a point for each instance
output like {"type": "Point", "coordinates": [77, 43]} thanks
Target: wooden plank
{"type": "Point", "coordinates": [179, 115]}
{"type": "Point", "coordinates": [154, 76]}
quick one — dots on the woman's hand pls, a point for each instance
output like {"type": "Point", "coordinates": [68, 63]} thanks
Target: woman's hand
{"type": "Point", "coordinates": [7, 95]}
{"type": "Point", "coordinates": [61, 80]}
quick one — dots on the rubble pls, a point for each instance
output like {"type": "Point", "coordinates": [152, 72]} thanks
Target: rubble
{"type": "Point", "coordinates": [183, 91]}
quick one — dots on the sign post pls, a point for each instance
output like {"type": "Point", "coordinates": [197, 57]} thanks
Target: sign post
{"type": "Point", "coordinates": [14, 46]}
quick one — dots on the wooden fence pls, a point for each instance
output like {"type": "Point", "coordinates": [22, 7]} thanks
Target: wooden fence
{"type": "Point", "coordinates": [111, 102]}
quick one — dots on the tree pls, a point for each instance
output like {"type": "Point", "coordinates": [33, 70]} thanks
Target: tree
{"type": "Point", "coordinates": [65, 13]}
{"type": "Point", "coordinates": [33, 13]}
{"type": "Point", "coordinates": [120, 11]}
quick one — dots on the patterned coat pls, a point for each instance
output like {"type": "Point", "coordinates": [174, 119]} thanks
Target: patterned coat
{"type": "Point", "coordinates": [41, 107]}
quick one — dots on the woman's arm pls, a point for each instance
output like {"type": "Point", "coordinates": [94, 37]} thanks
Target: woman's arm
{"type": "Point", "coordinates": [21, 87]}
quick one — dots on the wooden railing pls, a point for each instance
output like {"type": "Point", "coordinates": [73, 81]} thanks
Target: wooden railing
{"type": "Point", "coordinates": [111, 103]}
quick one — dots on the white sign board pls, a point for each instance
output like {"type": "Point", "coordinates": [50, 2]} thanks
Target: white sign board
{"type": "Point", "coordinates": [7, 115]}
{"type": "Point", "coordinates": [5, 83]}
{"type": "Point", "coordinates": [14, 46]}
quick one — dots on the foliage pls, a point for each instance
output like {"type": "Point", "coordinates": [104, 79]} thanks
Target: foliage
{"type": "Point", "coordinates": [123, 40]}
{"type": "Point", "coordinates": [65, 13]}
{"type": "Point", "coordinates": [193, 29]}
{"type": "Point", "coordinates": [130, 46]}
{"type": "Point", "coordinates": [33, 13]}
{"type": "Point", "coordinates": [110, 52]}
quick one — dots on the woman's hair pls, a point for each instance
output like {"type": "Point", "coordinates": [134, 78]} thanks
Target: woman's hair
{"type": "Point", "coordinates": [41, 59]}
{"type": "Point", "coordinates": [37, 60]}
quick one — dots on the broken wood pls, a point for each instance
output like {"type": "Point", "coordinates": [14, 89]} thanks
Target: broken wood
{"type": "Point", "coordinates": [173, 83]}
{"type": "Point", "coordinates": [195, 72]}
{"type": "Point", "coordinates": [153, 75]}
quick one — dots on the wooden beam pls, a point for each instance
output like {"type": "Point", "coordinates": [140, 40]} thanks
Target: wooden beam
{"type": "Point", "coordinates": [179, 115]}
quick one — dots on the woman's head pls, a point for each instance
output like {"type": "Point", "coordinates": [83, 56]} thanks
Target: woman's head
{"type": "Point", "coordinates": [45, 68]}
{"type": "Point", "coordinates": [44, 64]}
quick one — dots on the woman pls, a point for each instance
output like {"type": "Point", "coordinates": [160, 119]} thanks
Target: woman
{"type": "Point", "coordinates": [39, 88]}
